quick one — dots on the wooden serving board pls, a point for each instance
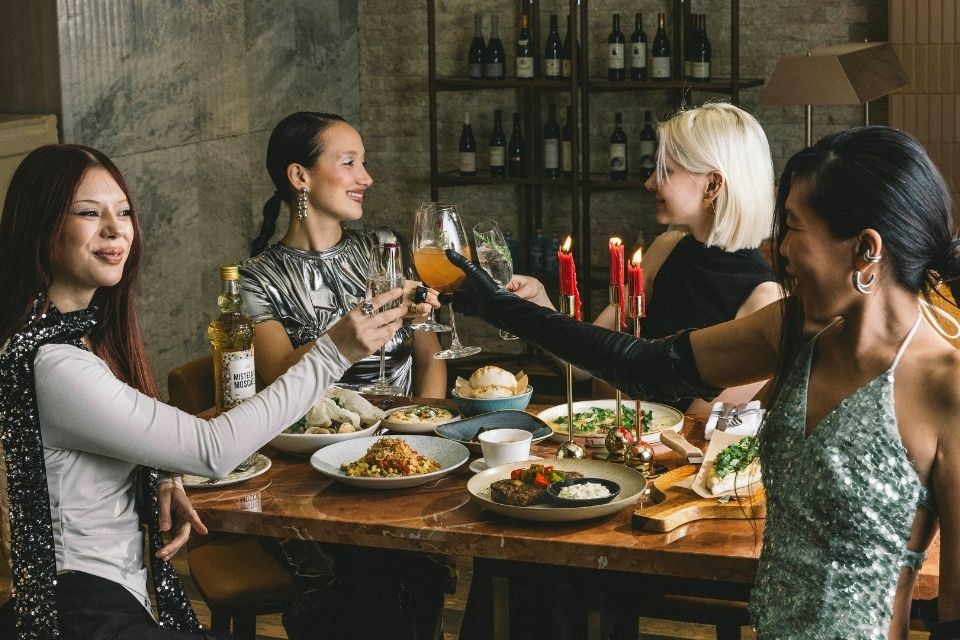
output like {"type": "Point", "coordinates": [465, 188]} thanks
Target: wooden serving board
{"type": "Point", "coordinates": [673, 506]}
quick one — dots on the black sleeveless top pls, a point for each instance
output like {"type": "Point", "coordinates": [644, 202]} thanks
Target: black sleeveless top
{"type": "Point", "coordinates": [699, 286]}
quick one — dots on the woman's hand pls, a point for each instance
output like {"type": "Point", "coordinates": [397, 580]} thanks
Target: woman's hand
{"type": "Point", "coordinates": [418, 299]}
{"type": "Point", "coordinates": [177, 516]}
{"type": "Point", "coordinates": [529, 288]}
{"type": "Point", "coordinates": [367, 327]}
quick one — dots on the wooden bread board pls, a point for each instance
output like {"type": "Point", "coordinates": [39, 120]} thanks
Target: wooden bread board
{"type": "Point", "coordinates": [673, 506]}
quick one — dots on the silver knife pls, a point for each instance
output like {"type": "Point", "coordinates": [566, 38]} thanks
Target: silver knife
{"type": "Point", "coordinates": [681, 445]}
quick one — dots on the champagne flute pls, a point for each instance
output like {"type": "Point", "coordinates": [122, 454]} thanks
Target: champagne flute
{"type": "Point", "coordinates": [430, 324]}
{"type": "Point", "coordinates": [384, 273]}
{"type": "Point", "coordinates": [494, 256]}
{"type": "Point", "coordinates": [439, 228]}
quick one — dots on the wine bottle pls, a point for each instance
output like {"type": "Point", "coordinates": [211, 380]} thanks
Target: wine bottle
{"type": "Point", "coordinates": [648, 147]}
{"type": "Point", "coordinates": [498, 147]}
{"type": "Point", "coordinates": [618, 150]}
{"type": "Point", "coordinates": [468, 149]}
{"type": "Point", "coordinates": [231, 336]}
{"type": "Point", "coordinates": [566, 52]}
{"type": "Point", "coordinates": [566, 145]}
{"type": "Point", "coordinates": [494, 58]}
{"type": "Point", "coordinates": [516, 158]}
{"type": "Point", "coordinates": [615, 51]}
{"type": "Point", "coordinates": [552, 52]}
{"type": "Point", "coordinates": [477, 48]}
{"type": "Point", "coordinates": [524, 49]}
{"type": "Point", "coordinates": [551, 145]}
{"type": "Point", "coordinates": [536, 252]}
{"type": "Point", "coordinates": [660, 52]}
{"type": "Point", "coordinates": [689, 45]}
{"type": "Point", "coordinates": [638, 51]}
{"type": "Point", "coordinates": [702, 55]}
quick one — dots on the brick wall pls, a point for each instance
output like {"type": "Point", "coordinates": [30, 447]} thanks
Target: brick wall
{"type": "Point", "coordinates": [394, 109]}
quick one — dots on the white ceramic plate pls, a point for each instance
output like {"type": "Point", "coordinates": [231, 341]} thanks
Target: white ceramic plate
{"type": "Point", "coordinates": [632, 483]}
{"type": "Point", "coordinates": [260, 466]}
{"type": "Point", "coordinates": [304, 444]}
{"type": "Point", "coordinates": [449, 454]}
{"type": "Point", "coordinates": [416, 427]}
{"type": "Point", "coordinates": [664, 417]}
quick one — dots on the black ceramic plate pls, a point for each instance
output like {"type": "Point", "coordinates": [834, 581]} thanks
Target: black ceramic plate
{"type": "Point", "coordinates": [554, 489]}
{"type": "Point", "coordinates": [465, 431]}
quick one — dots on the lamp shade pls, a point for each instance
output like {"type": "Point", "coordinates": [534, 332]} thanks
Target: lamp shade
{"type": "Point", "coordinates": [853, 73]}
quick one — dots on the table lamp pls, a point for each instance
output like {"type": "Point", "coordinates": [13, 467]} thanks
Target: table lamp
{"type": "Point", "coordinates": [852, 73]}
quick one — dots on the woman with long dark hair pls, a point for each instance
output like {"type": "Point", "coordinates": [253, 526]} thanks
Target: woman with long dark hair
{"type": "Point", "coordinates": [80, 419]}
{"type": "Point", "coordinates": [860, 447]}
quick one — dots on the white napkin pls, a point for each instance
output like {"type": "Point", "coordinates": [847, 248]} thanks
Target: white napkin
{"type": "Point", "coordinates": [723, 415]}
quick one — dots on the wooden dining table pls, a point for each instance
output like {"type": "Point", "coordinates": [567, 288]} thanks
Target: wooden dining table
{"type": "Point", "coordinates": [292, 500]}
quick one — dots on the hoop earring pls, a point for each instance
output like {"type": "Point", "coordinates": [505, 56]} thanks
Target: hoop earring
{"type": "Point", "coordinates": [869, 257]}
{"type": "Point", "coordinates": [302, 204]}
{"type": "Point", "coordinates": [860, 285]}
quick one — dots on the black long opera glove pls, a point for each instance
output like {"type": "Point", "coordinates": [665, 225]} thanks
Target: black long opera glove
{"type": "Point", "coordinates": [663, 369]}
{"type": "Point", "coordinates": [949, 630]}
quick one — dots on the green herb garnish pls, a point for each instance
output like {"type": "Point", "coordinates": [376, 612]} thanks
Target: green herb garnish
{"type": "Point", "coordinates": [597, 419]}
{"type": "Point", "coordinates": [736, 457]}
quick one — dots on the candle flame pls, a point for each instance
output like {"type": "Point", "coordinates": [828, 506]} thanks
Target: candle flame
{"type": "Point", "coordinates": [637, 257]}
{"type": "Point", "coordinates": [567, 244]}
{"type": "Point", "coordinates": [615, 242]}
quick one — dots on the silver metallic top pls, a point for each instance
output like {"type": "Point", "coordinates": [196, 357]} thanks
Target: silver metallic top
{"type": "Point", "coordinates": [307, 291]}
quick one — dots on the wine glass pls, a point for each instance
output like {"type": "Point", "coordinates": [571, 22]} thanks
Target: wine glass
{"type": "Point", "coordinates": [384, 273]}
{"type": "Point", "coordinates": [430, 324]}
{"type": "Point", "coordinates": [494, 256]}
{"type": "Point", "coordinates": [438, 228]}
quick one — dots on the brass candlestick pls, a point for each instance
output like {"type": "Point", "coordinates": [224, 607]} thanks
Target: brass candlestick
{"type": "Point", "coordinates": [617, 438]}
{"type": "Point", "coordinates": [569, 449]}
{"type": "Point", "coordinates": [640, 455]}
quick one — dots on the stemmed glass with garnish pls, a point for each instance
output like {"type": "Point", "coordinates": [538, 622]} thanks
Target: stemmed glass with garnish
{"type": "Point", "coordinates": [385, 273]}
{"type": "Point", "coordinates": [494, 256]}
{"type": "Point", "coordinates": [438, 229]}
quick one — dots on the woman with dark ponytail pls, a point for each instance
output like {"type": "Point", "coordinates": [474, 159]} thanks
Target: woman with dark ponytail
{"type": "Point", "coordinates": [294, 290]}
{"type": "Point", "coordinates": [860, 465]}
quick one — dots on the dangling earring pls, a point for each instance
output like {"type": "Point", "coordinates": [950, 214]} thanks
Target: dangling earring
{"type": "Point", "coordinates": [708, 204]}
{"type": "Point", "coordinates": [861, 286]}
{"type": "Point", "coordinates": [302, 204]}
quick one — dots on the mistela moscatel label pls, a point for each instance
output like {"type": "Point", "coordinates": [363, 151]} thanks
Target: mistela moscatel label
{"type": "Point", "coordinates": [238, 377]}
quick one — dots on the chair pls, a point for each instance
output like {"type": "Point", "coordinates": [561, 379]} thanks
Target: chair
{"type": "Point", "coordinates": [237, 578]}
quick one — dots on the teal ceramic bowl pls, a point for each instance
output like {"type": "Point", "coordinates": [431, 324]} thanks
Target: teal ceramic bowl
{"type": "Point", "coordinates": [476, 406]}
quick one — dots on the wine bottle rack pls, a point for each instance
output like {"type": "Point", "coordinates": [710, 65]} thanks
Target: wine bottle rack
{"type": "Point", "coordinates": [579, 87]}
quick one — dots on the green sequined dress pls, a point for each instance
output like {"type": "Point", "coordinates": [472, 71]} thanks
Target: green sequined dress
{"type": "Point", "coordinates": [840, 506]}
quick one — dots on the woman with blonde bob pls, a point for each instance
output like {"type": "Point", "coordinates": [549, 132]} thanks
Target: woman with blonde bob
{"type": "Point", "coordinates": [714, 186]}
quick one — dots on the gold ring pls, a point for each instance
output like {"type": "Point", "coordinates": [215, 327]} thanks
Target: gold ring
{"type": "Point", "coordinates": [414, 308]}
{"type": "Point", "coordinates": [367, 309]}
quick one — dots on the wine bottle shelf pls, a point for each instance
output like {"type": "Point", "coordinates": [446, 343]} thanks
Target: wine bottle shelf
{"type": "Point", "coordinates": [717, 85]}
{"type": "Point", "coordinates": [485, 84]}
{"type": "Point", "coordinates": [597, 181]}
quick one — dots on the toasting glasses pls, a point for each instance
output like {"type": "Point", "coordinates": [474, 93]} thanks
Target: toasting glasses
{"type": "Point", "coordinates": [430, 324]}
{"type": "Point", "coordinates": [385, 273]}
{"type": "Point", "coordinates": [494, 256]}
{"type": "Point", "coordinates": [438, 228]}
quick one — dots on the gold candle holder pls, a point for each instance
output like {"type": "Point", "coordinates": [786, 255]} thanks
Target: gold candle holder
{"type": "Point", "coordinates": [616, 441]}
{"type": "Point", "coordinates": [569, 449]}
{"type": "Point", "coordinates": [640, 455]}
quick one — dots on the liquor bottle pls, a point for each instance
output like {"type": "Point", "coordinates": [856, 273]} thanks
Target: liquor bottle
{"type": "Point", "coordinates": [618, 150]}
{"type": "Point", "coordinates": [514, 248]}
{"type": "Point", "coordinates": [566, 145]}
{"type": "Point", "coordinates": [615, 51]}
{"type": "Point", "coordinates": [638, 51]}
{"type": "Point", "coordinates": [498, 147]}
{"type": "Point", "coordinates": [550, 264]}
{"type": "Point", "coordinates": [467, 149]}
{"type": "Point", "coordinates": [516, 158]}
{"type": "Point", "coordinates": [648, 147]}
{"type": "Point", "coordinates": [477, 48]}
{"type": "Point", "coordinates": [566, 52]}
{"type": "Point", "coordinates": [551, 145]}
{"type": "Point", "coordinates": [552, 54]}
{"type": "Point", "coordinates": [702, 55]}
{"type": "Point", "coordinates": [231, 336]}
{"type": "Point", "coordinates": [524, 49]}
{"type": "Point", "coordinates": [494, 58]}
{"type": "Point", "coordinates": [660, 52]}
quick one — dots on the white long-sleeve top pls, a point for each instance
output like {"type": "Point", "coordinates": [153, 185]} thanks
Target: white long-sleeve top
{"type": "Point", "coordinates": [97, 430]}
